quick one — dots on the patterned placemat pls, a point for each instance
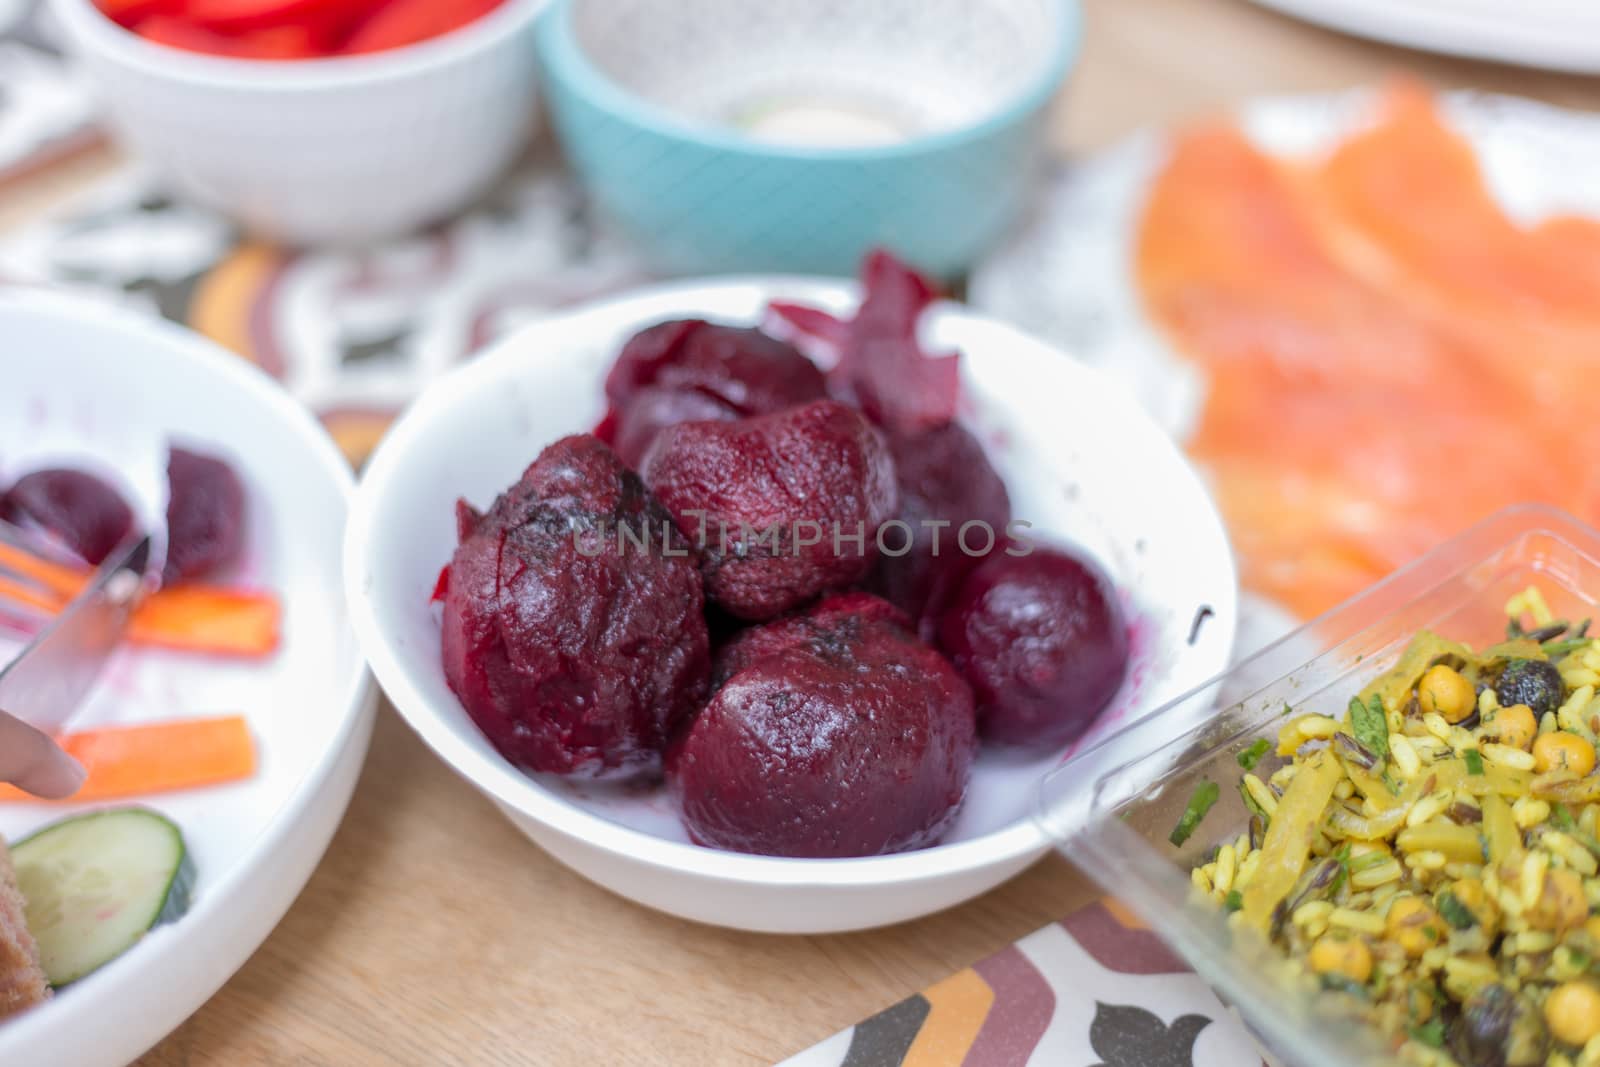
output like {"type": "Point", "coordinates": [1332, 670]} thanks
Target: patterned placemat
{"type": "Point", "coordinates": [1097, 989]}
{"type": "Point", "coordinates": [354, 334]}
{"type": "Point", "coordinates": [46, 109]}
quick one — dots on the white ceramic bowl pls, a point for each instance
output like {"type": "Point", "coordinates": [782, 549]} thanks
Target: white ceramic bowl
{"type": "Point", "coordinates": [92, 386]}
{"type": "Point", "coordinates": [1082, 462]}
{"type": "Point", "coordinates": [323, 150]}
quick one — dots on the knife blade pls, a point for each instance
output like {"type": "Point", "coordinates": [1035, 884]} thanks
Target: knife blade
{"type": "Point", "coordinates": [49, 681]}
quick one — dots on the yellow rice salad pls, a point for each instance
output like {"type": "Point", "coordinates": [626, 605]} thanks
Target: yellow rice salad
{"type": "Point", "coordinates": [1433, 852]}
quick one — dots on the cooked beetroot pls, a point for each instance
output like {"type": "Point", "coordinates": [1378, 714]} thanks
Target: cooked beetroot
{"type": "Point", "coordinates": [1043, 641]}
{"type": "Point", "coordinates": [882, 367]}
{"type": "Point", "coordinates": [574, 649]}
{"type": "Point", "coordinates": [691, 369]}
{"type": "Point", "coordinates": [205, 515]}
{"type": "Point", "coordinates": [764, 497]}
{"type": "Point", "coordinates": [652, 409]}
{"type": "Point", "coordinates": [84, 513]}
{"type": "Point", "coordinates": [833, 733]}
{"type": "Point", "coordinates": [751, 372]}
{"type": "Point", "coordinates": [943, 477]}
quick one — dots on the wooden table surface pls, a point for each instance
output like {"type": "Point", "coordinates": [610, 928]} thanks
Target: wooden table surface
{"type": "Point", "coordinates": [433, 933]}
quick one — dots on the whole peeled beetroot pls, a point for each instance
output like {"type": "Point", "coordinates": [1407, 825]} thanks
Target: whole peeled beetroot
{"type": "Point", "coordinates": [832, 733]}
{"type": "Point", "coordinates": [205, 515]}
{"type": "Point", "coordinates": [575, 650]}
{"type": "Point", "coordinates": [945, 481]}
{"type": "Point", "coordinates": [783, 507]}
{"type": "Point", "coordinates": [689, 369]}
{"type": "Point", "coordinates": [84, 513]}
{"type": "Point", "coordinates": [1042, 640]}
{"type": "Point", "coordinates": [652, 409]}
{"type": "Point", "coordinates": [751, 371]}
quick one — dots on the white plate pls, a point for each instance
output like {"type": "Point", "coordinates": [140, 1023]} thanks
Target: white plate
{"type": "Point", "coordinates": [1082, 463]}
{"type": "Point", "coordinates": [99, 383]}
{"type": "Point", "coordinates": [1550, 34]}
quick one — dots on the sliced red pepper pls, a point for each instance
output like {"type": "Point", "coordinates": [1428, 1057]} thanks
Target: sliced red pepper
{"type": "Point", "coordinates": [280, 42]}
{"type": "Point", "coordinates": [181, 33]}
{"type": "Point", "coordinates": [399, 23]}
{"type": "Point", "coordinates": [126, 13]}
{"type": "Point", "coordinates": [244, 16]}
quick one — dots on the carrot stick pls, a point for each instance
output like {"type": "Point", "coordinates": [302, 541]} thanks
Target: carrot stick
{"type": "Point", "coordinates": [29, 597]}
{"type": "Point", "coordinates": [130, 761]}
{"type": "Point", "coordinates": [60, 580]}
{"type": "Point", "coordinates": [196, 618]}
{"type": "Point", "coordinates": [206, 619]}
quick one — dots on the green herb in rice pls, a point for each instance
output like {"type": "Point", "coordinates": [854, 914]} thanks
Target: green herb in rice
{"type": "Point", "coordinates": [1205, 795]}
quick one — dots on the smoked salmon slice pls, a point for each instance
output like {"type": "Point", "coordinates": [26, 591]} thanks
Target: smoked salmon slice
{"type": "Point", "coordinates": [1573, 241]}
{"type": "Point", "coordinates": [1414, 189]}
{"type": "Point", "coordinates": [1408, 207]}
{"type": "Point", "coordinates": [1372, 382]}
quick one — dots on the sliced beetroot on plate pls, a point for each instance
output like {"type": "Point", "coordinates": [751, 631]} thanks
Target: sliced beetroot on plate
{"type": "Point", "coordinates": [205, 515]}
{"type": "Point", "coordinates": [84, 513]}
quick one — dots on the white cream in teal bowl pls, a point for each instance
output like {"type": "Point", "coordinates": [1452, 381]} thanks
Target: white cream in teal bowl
{"type": "Point", "coordinates": [794, 135]}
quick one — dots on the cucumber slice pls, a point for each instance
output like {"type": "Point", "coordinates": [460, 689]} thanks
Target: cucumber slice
{"type": "Point", "coordinates": [93, 884]}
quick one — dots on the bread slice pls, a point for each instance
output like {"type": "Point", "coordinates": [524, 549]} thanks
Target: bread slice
{"type": "Point", "coordinates": [22, 980]}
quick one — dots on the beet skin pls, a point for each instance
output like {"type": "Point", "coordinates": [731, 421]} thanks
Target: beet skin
{"type": "Point", "coordinates": [205, 515]}
{"type": "Point", "coordinates": [833, 733]}
{"type": "Point", "coordinates": [576, 651]}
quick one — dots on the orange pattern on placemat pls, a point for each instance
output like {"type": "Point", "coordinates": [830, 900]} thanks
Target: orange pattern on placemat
{"type": "Point", "coordinates": [1122, 913]}
{"type": "Point", "coordinates": [1411, 190]}
{"type": "Point", "coordinates": [357, 433]}
{"type": "Point", "coordinates": [1367, 398]}
{"type": "Point", "coordinates": [226, 299]}
{"type": "Point", "coordinates": [959, 1004]}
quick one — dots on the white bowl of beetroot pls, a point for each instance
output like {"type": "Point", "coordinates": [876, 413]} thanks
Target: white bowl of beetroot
{"type": "Point", "coordinates": [768, 602]}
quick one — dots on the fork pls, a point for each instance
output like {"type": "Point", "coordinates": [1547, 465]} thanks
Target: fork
{"type": "Point", "coordinates": [48, 681]}
{"type": "Point", "coordinates": [30, 584]}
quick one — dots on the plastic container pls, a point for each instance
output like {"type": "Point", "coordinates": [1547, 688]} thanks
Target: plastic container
{"type": "Point", "coordinates": [1115, 826]}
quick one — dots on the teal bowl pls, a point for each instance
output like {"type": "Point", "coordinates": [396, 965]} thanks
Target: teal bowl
{"type": "Point", "coordinates": [795, 135]}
